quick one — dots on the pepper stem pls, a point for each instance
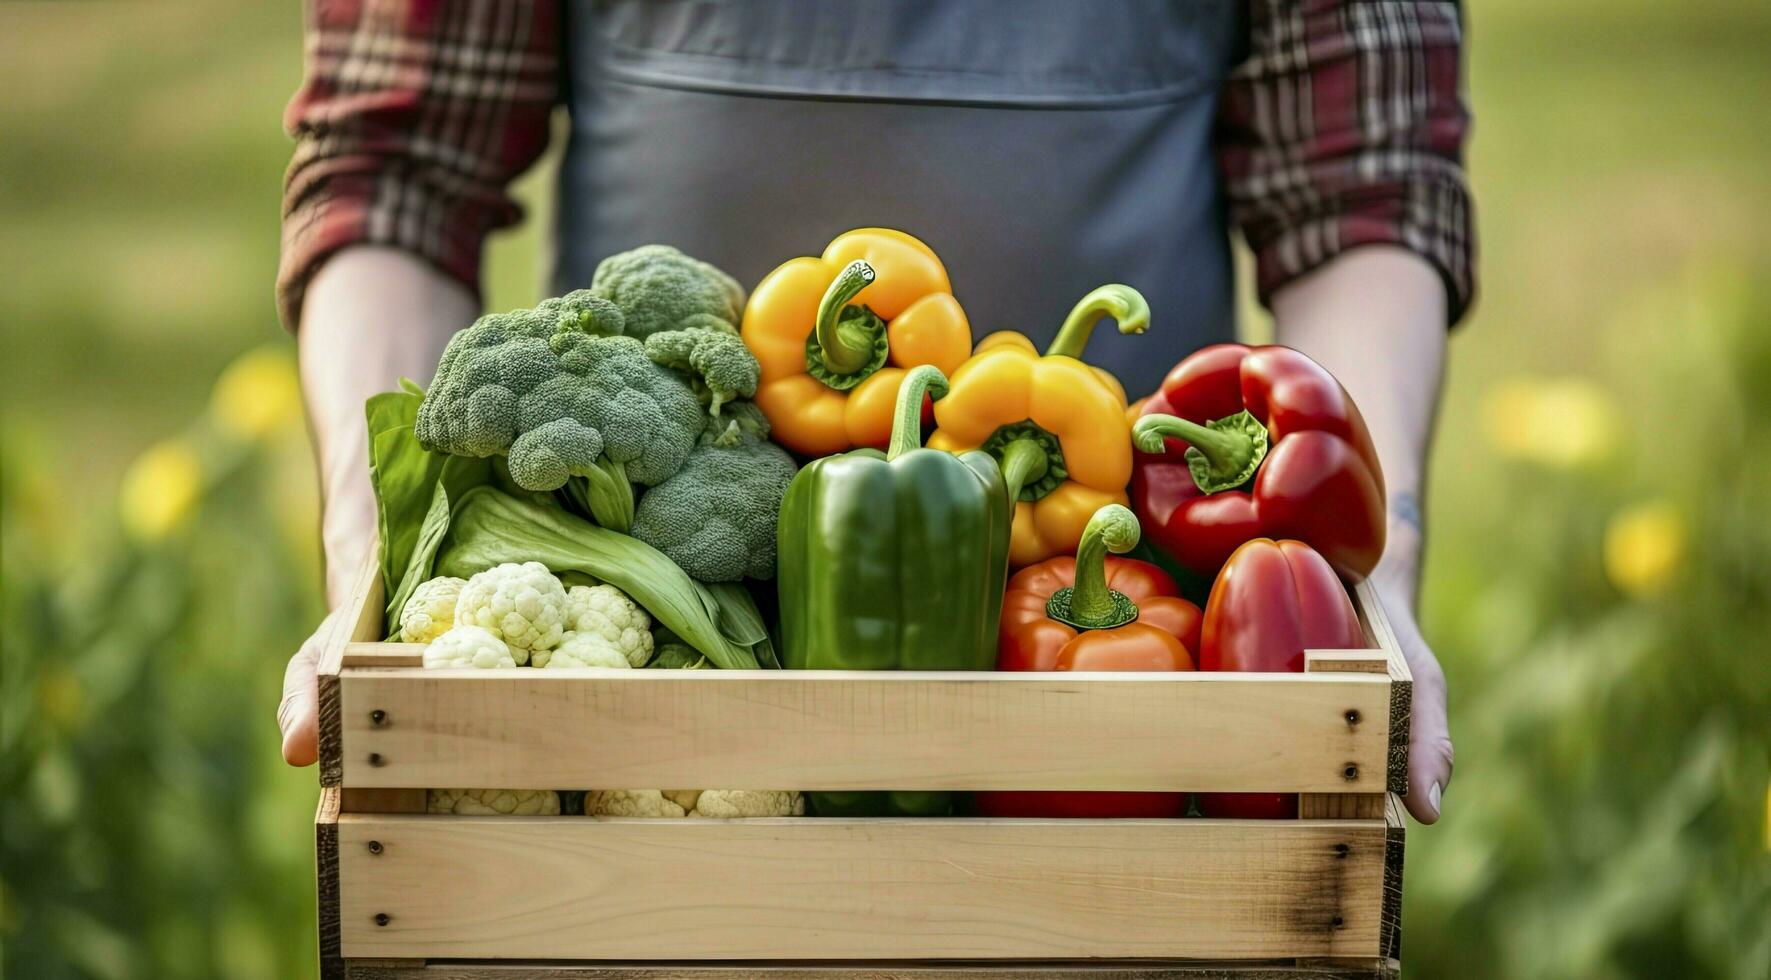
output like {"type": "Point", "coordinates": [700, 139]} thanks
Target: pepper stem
{"type": "Point", "coordinates": [1090, 604]}
{"type": "Point", "coordinates": [1223, 454]}
{"type": "Point", "coordinates": [907, 414]}
{"type": "Point", "coordinates": [847, 340]}
{"type": "Point", "coordinates": [1031, 458]}
{"type": "Point", "coordinates": [1124, 304]}
{"type": "Point", "coordinates": [1023, 461]}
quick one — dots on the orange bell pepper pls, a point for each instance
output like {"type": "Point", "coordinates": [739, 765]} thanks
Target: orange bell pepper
{"type": "Point", "coordinates": [1058, 426]}
{"type": "Point", "coordinates": [835, 335]}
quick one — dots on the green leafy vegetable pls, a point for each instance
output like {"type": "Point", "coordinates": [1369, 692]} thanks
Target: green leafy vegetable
{"type": "Point", "coordinates": [489, 527]}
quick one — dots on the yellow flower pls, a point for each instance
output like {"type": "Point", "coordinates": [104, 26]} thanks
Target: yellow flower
{"type": "Point", "coordinates": [1562, 423]}
{"type": "Point", "coordinates": [257, 394]}
{"type": "Point", "coordinates": [62, 698]}
{"type": "Point", "coordinates": [1645, 548]}
{"type": "Point", "coordinates": [159, 490]}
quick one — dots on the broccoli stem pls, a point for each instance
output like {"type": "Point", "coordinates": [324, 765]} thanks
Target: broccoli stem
{"type": "Point", "coordinates": [609, 495]}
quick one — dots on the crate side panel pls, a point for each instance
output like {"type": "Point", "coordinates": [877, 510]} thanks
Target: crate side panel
{"type": "Point", "coordinates": [900, 970]}
{"type": "Point", "coordinates": [818, 730]}
{"type": "Point", "coordinates": [578, 888]}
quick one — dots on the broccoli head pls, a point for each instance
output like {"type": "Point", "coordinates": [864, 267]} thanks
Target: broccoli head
{"type": "Point", "coordinates": [719, 367]}
{"type": "Point", "coordinates": [658, 288]}
{"type": "Point", "coordinates": [563, 394]}
{"type": "Point", "coordinates": [716, 517]}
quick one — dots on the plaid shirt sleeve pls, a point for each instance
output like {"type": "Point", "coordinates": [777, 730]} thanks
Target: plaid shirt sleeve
{"type": "Point", "coordinates": [1344, 126]}
{"type": "Point", "coordinates": [412, 120]}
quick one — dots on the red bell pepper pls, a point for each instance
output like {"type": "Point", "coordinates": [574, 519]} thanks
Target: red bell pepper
{"type": "Point", "coordinates": [1249, 442]}
{"type": "Point", "coordinates": [1092, 612]}
{"type": "Point", "coordinates": [1272, 601]}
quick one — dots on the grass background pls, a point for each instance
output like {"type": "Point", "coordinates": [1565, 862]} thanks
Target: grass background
{"type": "Point", "coordinates": [1597, 584]}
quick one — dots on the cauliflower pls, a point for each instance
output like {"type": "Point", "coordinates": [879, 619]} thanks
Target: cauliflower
{"type": "Point", "coordinates": [725, 803]}
{"type": "Point", "coordinates": [524, 605]}
{"type": "Point", "coordinates": [629, 803]}
{"type": "Point", "coordinates": [606, 612]}
{"type": "Point", "coordinates": [430, 612]}
{"type": "Point", "coordinates": [581, 650]}
{"type": "Point", "coordinates": [468, 646]}
{"type": "Point", "coordinates": [493, 802]}
{"type": "Point", "coordinates": [711, 803]}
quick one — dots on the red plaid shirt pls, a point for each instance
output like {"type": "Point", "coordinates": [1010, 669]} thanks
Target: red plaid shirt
{"type": "Point", "coordinates": [1342, 126]}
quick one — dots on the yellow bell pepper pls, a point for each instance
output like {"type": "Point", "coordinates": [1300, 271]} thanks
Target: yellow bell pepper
{"type": "Point", "coordinates": [1057, 425]}
{"type": "Point", "coordinates": [836, 334]}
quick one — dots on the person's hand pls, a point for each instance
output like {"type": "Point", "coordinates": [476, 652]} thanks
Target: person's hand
{"type": "Point", "coordinates": [1429, 729]}
{"type": "Point", "coordinates": [298, 716]}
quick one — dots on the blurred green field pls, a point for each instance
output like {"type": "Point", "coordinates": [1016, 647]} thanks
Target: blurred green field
{"type": "Point", "coordinates": [1597, 583]}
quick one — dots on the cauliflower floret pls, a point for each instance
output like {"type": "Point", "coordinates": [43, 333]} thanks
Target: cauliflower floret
{"type": "Point", "coordinates": [468, 646]}
{"type": "Point", "coordinates": [607, 612]}
{"type": "Point", "coordinates": [523, 604]}
{"type": "Point", "coordinates": [711, 803]}
{"type": "Point", "coordinates": [629, 803]}
{"type": "Point", "coordinates": [430, 612]}
{"type": "Point", "coordinates": [581, 650]}
{"type": "Point", "coordinates": [493, 802]}
{"type": "Point", "coordinates": [750, 803]}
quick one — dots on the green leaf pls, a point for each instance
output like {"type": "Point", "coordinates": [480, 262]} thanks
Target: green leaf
{"type": "Point", "coordinates": [405, 476]}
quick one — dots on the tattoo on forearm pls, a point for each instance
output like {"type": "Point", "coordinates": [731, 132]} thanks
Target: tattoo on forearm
{"type": "Point", "coordinates": [1405, 507]}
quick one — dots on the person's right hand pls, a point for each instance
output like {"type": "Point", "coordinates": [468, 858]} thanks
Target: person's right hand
{"type": "Point", "coordinates": [298, 716]}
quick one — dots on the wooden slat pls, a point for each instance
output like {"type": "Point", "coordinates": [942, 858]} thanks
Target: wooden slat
{"type": "Point", "coordinates": [360, 621]}
{"type": "Point", "coordinates": [1332, 806]}
{"type": "Point", "coordinates": [1347, 969]}
{"type": "Point", "coordinates": [326, 871]}
{"type": "Point", "coordinates": [1383, 637]}
{"type": "Point", "coordinates": [522, 728]}
{"type": "Point", "coordinates": [383, 655]}
{"type": "Point", "coordinates": [1346, 662]}
{"type": "Point", "coordinates": [1395, 848]}
{"type": "Point", "coordinates": [581, 888]}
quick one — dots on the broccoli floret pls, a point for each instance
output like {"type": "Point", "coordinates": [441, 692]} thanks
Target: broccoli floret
{"type": "Point", "coordinates": [560, 392]}
{"type": "Point", "coordinates": [658, 288]}
{"type": "Point", "coordinates": [716, 517]}
{"type": "Point", "coordinates": [582, 311]}
{"type": "Point", "coordinates": [720, 368]}
{"type": "Point", "coordinates": [740, 424]}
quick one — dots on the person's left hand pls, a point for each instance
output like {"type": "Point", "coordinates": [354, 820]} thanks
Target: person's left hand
{"type": "Point", "coordinates": [1429, 731]}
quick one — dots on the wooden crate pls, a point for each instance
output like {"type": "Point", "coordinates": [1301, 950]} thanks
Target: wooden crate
{"type": "Point", "coordinates": [408, 895]}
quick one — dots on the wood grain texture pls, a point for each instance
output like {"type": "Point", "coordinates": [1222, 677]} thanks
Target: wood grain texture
{"type": "Point", "coordinates": [1087, 970]}
{"type": "Point", "coordinates": [326, 869]}
{"type": "Point", "coordinates": [361, 621]}
{"type": "Point", "coordinates": [1395, 834]}
{"type": "Point", "coordinates": [585, 888]}
{"type": "Point", "coordinates": [1341, 806]}
{"type": "Point", "coordinates": [830, 730]}
{"type": "Point", "coordinates": [383, 655]}
{"type": "Point", "coordinates": [1383, 637]}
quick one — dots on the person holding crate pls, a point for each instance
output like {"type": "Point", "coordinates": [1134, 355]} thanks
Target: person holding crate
{"type": "Point", "coordinates": [1043, 147]}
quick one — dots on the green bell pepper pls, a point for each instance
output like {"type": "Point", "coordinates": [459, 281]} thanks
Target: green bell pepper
{"type": "Point", "coordinates": [894, 561]}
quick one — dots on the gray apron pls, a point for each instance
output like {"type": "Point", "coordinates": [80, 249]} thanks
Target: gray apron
{"type": "Point", "coordinates": [1041, 147]}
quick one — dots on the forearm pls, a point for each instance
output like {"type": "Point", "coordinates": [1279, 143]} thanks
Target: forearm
{"type": "Point", "coordinates": [1375, 318]}
{"type": "Point", "coordinates": [371, 316]}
